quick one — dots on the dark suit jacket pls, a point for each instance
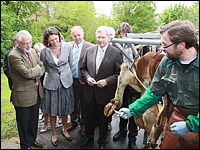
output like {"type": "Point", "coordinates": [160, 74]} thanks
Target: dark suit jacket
{"type": "Point", "coordinates": [108, 70]}
{"type": "Point", "coordinates": [6, 69]}
{"type": "Point", "coordinates": [86, 45]}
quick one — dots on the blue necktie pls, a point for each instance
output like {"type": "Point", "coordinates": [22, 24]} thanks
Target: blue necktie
{"type": "Point", "coordinates": [75, 62]}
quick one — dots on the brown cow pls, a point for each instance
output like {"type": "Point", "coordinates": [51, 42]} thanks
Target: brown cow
{"type": "Point", "coordinates": [139, 80]}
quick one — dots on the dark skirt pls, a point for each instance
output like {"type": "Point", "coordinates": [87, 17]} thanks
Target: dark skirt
{"type": "Point", "coordinates": [59, 102]}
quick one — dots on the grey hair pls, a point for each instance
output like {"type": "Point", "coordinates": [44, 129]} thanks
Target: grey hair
{"type": "Point", "coordinates": [112, 31]}
{"type": "Point", "coordinates": [103, 28]}
{"type": "Point", "coordinates": [77, 27]}
{"type": "Point", "coordinates": [22, 33]}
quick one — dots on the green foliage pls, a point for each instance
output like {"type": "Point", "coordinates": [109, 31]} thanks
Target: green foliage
{"type": "Point", "coordinates": [173, 13]}
{"type": "Point", "coordinates": [15, 16]}
{"type": "Point", "coordinates": [35, 16]}
{"type": "Point", "coordinates": [193, 14]}
{"type": "Point", "coordinates": [139, 14]}
{"type": "Point", "coordinates": [8, 120]}
{"type": "Point", "coordinates": [82, 14]}
{"type": "Point", "coordinates": [181, 12]}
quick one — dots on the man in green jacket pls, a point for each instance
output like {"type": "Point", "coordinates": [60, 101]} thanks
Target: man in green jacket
{"type": "Point", "coordinates": [178, 76]}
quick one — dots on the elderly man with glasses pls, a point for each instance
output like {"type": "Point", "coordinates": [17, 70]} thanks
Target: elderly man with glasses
{"type": "Point", "coordinates": [25, 70]}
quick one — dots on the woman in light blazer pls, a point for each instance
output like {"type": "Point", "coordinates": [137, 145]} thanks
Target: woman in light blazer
{"type": "Point", "coordinates": [58, 91]}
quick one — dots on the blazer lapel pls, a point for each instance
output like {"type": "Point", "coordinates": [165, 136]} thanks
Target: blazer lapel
{"type": "Point", "coordinates": [23, 55]}
{"type": "Point", "coordinates": [61, 58]}
{"type": "Point", "coordinates": [82, 50]}
{"type": "Point", "coordinates": [93, 55]}
{"type": "Point", "coordinates": [49, 55]}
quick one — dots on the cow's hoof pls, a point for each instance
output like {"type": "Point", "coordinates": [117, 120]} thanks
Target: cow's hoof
{"type": "Point", "coordinates": [108, 109]}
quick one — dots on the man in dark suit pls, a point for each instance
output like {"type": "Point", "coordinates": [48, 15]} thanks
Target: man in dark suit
{"type": "Point", "coordinates": [25, 70]}
{"type": "Point", "coordinates": [79, 46]}
{"type": "Point", "coordinates": [100, 70]}
{"type": "Point", "coordinates": [5, 64]}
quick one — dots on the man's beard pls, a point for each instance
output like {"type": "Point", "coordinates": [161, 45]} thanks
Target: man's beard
{"type": "Point", "coordinates": [175, 56]}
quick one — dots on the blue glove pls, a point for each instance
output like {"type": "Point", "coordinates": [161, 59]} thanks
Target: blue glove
{"type": "Point", "coordinates": [126, 113]}
{"type": "Point", "coordinates": [179, 128]}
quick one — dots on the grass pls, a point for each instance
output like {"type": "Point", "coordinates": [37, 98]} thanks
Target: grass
{"type": "Point", "coordinates": [8, 119]}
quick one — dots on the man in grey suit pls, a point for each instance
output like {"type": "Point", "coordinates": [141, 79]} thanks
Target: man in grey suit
{"type": "Point", "coordinates": [100, 70]}
{"type": "Point", "coordinates": [26, 70]}
{"type": "Point", "coordinates": [79, 46]}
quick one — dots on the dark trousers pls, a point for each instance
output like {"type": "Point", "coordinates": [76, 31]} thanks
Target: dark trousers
{"type": "Point", "coordinates": [129, 96]}
{"type": "Point", "coordinates": [79, 103]}
{"type": "Point", "coordinates": [27, 124]}
{"type": "Point", "coordinates": [95, 111]}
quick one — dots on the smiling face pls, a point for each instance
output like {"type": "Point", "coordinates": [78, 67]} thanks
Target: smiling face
{"type": "Point", "coordinates": [102, 38]}
{"type": "Point", "coordinates": [54, 40]}
{"type": "Point", "coordinates": [77, 35]}
{"type": "Point", "coordinates": [25, 43]}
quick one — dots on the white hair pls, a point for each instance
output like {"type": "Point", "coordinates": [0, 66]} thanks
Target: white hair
{"type": "Point", "coordinates": [112, 31]}
{"type": "Point", "coordinates": [103, 28]}
{"type": "Point", "coordinates": [22, 33]}
{"type": "Point", "coordinates": [77, 27]}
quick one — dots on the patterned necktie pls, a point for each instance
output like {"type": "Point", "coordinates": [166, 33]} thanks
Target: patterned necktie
{"type": "Point", "coordinates": [75, 62]}
{"type": "Point", "coordinates": [29, 57]}
{"type": "Point", "coordinates": [99, 58]}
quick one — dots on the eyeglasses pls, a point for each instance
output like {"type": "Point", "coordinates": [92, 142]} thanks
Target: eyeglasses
{"type": "Point", "coordinates": [26, 43]}
{"type": "Point", "coordinates": [167, 46]}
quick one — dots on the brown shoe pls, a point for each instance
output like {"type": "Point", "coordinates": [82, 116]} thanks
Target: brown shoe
{"type": "Point", "coordinates": [82, 131]}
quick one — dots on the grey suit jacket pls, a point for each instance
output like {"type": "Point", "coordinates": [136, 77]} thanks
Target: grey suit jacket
{"type": "Point", "coordinates": [108, 70]}
{"type": "Point", "coordinates": [23, 75]}
{"type": "Point", "coordinates": [56, 73]}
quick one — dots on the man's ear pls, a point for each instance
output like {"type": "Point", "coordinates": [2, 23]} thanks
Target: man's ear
{"type": "Point", "coordinates": [181, 45]}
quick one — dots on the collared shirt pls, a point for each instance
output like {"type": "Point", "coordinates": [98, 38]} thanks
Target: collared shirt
{"type": "Point", "coordinates": [79, 47]}
{"type": "Point", "coordinates": [182, 86]}
{"type": "Point", "coordinates": [100, 56]}
{"type": "Point", "coordinates": [104, 48]}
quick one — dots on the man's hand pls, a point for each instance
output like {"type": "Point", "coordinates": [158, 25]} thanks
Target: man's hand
{"type": "Point", "coordinates": [91, 81]}
{"type": "Point", "coordinates": [126, 113]}
{"type": "Point", "coordinates": [101, 83]}
{"type": "Point", "coordinates": [179, 128]}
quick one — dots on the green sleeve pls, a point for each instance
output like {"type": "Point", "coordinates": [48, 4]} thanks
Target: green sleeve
{"type": "Point", "coordinates": [147, 100]}
{"type": "Point", "coordinates": [192, 123]}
